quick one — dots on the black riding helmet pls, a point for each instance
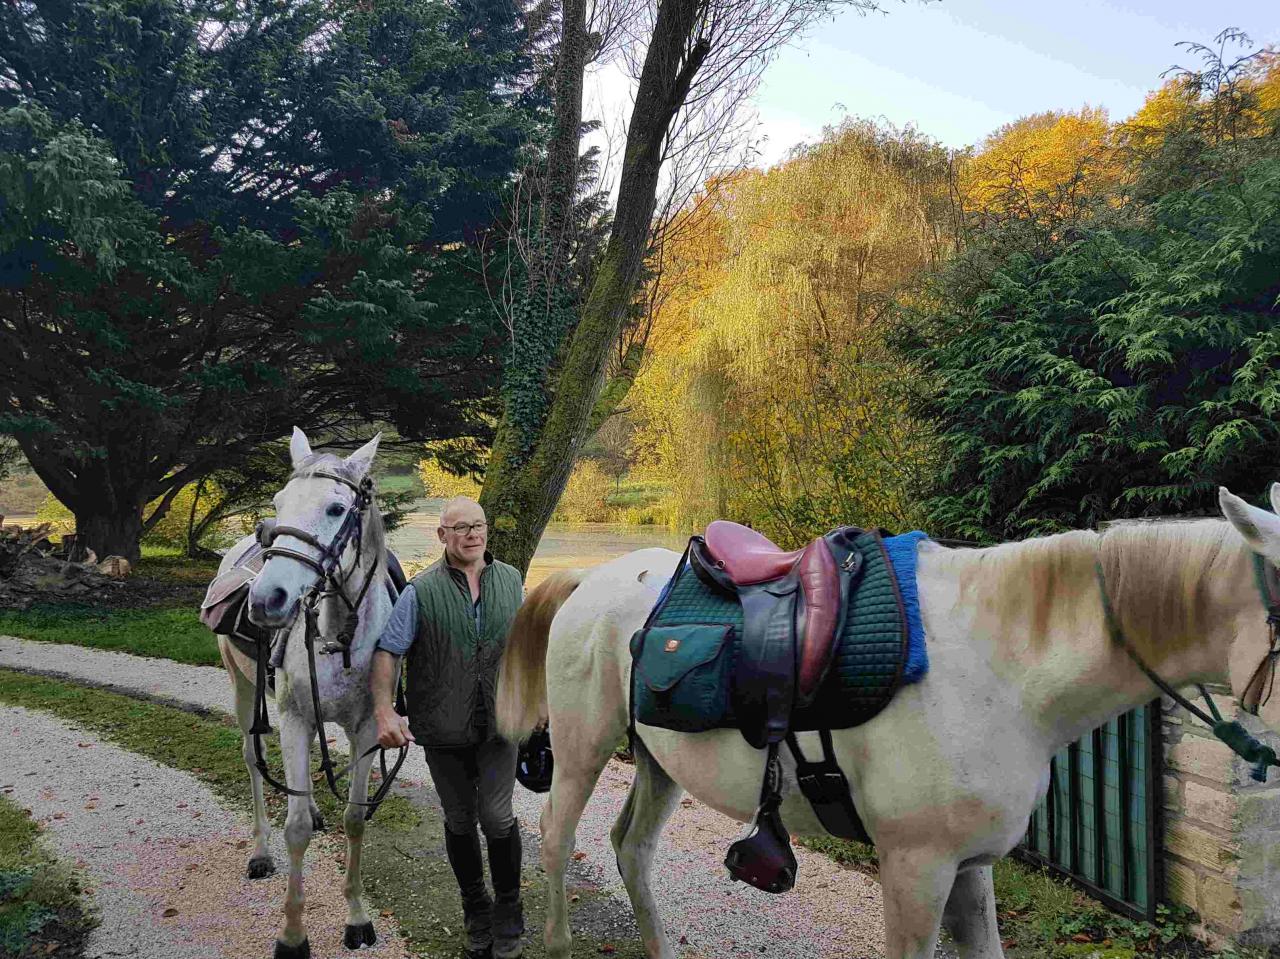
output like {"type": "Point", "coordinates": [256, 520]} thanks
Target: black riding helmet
{"type": "Point", "coordinates": [534, 762]}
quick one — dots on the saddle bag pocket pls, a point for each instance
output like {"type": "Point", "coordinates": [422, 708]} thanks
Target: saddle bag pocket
{"type": "Point", "coordinates": [681, 676]}
{"type": "Point", "coordinates": [223, 610]}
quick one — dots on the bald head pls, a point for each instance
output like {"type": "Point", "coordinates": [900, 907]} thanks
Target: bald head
{"type": "Point", "coordinates": [461, 509]}
{"type": "Point", "coordinates": [463, 532]}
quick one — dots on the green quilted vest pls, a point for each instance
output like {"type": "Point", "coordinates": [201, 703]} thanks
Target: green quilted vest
{"type": "Point", "coordinates": [450, 666]}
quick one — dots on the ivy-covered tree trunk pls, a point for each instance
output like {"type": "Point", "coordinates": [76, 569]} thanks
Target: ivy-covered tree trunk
{"type": "Point", "coordinates": [529, 464]}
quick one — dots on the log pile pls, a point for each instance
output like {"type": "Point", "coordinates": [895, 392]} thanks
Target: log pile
{"type": "Point", "coordinates": [34, 569]}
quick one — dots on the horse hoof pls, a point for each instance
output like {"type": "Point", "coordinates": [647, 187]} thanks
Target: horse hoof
{"type": "Point", "coordinates": [261, 867]}
{"type": "Point", "coordinates": [317, 822]}
{"type": "Point", "coordinates": [285, 951]}
{"type": "Point", "coordinates": [353, 937]}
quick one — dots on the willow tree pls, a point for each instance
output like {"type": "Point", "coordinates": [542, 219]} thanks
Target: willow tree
{"type": "Point", "coordinates": [571, 363]}
{"type": "Point", "coordinates": [776, 399]}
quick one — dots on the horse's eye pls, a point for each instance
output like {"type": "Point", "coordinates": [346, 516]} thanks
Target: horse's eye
{"type": "Point", "coordinates": [336, 509]}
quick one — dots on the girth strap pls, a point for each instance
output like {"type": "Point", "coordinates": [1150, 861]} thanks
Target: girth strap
{"type": "Point", "coordinates": [825, 786]}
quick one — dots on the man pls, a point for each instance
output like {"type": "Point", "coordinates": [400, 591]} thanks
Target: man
{"type": "Point", "coordinates": [452, 623]}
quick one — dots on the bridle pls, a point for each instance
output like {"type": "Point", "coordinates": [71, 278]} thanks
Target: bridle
{"type": "Point", "coordinates": [329, 582]}
{"type": "Point", "coordinates": [1260, 687]}
{"type": "Point", "coordinates": [327, 564]}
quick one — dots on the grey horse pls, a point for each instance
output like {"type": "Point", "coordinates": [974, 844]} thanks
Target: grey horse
{"type": "Point", "coordinates": [315, 503]}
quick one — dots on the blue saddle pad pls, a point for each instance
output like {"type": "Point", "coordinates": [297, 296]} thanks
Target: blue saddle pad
{"type": "Point", "coordinates": [901, 551]}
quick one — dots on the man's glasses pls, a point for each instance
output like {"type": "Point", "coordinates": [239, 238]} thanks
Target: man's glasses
{"type": "Point", "coordinates": [464, 529]}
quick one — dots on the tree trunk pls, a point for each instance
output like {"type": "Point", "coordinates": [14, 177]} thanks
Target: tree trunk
{"type": "Point", "coordinates": [110, 532]}
{"type": "Point", "coordinates": [521, 488]}
{"type": "Point", "coordinates": [105, 497]}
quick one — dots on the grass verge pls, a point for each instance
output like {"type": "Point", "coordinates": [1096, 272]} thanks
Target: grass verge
{"type": "Point", "coordinates": [41, 910]}
{"type": "Point", "coordinates": [166, 632]}
{"type": "Point", "coordinates": [208, 748]}
{"type": "Point", "coordinates": [1043, 916]}
{"type": "Point", "coordinates": [406, 870]}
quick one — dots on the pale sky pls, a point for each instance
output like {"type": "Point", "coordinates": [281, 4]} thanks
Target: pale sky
{"type": "Point", "coordinates": [960, 69]}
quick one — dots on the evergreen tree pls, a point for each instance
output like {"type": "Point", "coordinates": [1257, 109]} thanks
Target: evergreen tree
{"type": "Point", "coordinates": [1125, 360]}
{"type": "Point", "coordinates": [221, 220]}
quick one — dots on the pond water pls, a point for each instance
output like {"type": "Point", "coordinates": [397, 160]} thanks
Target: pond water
{"type": "Point", "coordinates": [563, 545]}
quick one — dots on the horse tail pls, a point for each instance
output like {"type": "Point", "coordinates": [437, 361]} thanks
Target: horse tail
{"type": "Point", "coordinates": [522, 674]}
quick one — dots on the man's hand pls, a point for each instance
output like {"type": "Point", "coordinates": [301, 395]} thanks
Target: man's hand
{"type": "Point", "coordinates": [393, 729]}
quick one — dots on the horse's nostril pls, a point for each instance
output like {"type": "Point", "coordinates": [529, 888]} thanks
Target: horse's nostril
{"type": "Point", "coordinates": [277, 599]}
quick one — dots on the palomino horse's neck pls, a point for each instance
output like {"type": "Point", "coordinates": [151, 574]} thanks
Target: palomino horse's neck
{"type": "Point", "coordinates": [1180, 593]}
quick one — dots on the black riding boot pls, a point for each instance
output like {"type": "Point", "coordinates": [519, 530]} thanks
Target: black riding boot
{"type": "Point", "coordinates": [477, 907]}
{"type": "Point", "coordinates": [505, 854]}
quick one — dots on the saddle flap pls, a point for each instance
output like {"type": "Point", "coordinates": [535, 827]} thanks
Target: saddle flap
{"type": "Point", "coordinates": [664, 655]}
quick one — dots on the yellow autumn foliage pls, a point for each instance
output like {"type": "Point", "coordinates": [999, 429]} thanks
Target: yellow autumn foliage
{"type": "Point", "coordinates": [1047, 162]}
{"type": "Point", "coordinates": [440, 483]}
{"type": "Point", "coordinates": [771, 397]}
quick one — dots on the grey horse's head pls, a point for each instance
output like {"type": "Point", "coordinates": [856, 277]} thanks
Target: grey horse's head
{"type": "Point", "coordinates": [318, 505]}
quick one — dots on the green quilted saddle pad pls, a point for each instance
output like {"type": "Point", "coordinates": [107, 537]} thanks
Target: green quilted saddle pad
{"type": "Point", "coordinates": [870, 652]}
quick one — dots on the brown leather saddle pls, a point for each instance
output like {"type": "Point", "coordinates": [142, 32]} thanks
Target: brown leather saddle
{"type": "Point", "coordinates": [793, 607]}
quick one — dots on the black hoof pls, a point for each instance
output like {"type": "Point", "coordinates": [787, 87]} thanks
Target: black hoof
{"type": "Point", "coordinates": [301, 951]}
{"type": "Point", "coordinates": [317, 822]}
{"type": "Point", "coordinates": [353, 937]}
{"type": "Point", "coordinates": [261, 867]}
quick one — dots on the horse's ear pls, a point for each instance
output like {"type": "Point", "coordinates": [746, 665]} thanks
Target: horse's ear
{"type": "Point", "coordinates": [1275, 497]}
{"type": "Point", "coordinates": [299, 448]}
{"type": "Point", "coordinates": [360, 461]}
{"type": "Point", "coordinates": [1260, 529]}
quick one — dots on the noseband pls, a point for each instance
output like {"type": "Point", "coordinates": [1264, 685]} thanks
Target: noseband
{"type": "Point", "coordinates": [1241, 741]}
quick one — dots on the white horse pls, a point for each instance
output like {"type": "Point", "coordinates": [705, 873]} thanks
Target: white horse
{"type": "Point", "coordinates": [315, 504]}
{"type": "Point", "coordinates": [1022, 662]}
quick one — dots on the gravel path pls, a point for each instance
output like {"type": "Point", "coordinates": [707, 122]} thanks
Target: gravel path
{"type": "Point", "coordinates": [165, 860]}
{"type": "Point", "coordinates": [832, 912]}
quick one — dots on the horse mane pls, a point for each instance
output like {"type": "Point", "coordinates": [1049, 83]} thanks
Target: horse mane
{"type": "Point", "coordinates": [1158, 575]}
{"type": "Point", "coordinates": [375, 530]}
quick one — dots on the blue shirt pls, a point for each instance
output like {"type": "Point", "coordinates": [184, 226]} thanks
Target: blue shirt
{"type": "Point", "coordinates": [401, 628]}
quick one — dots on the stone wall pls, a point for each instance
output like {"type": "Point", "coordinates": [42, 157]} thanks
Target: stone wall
{"type": "Point", "coordinates": [1222, 831]}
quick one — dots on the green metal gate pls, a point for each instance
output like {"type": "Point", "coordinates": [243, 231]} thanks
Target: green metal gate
{"type": "Point", "coordinates": [1099, 825]}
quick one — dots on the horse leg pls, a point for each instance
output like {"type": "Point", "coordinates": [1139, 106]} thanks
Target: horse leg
{"type": "Point", "coordinates": [295, 744]}
{"type": "Point", "coordinates": [579, 762]}
{"type": "Point", "coordinates": [970, 915]}
{"type": "Point", "coordinates": [650, 801]}
{"type": "Point", "coordinates": [359, 930]}
{"type": "Point", "coordinates": [260, 862]}
{"type": "Point", "coordinates": [916, 884]}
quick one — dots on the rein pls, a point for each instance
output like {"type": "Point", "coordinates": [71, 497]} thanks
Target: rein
{"type": "Point", "coordinates": [1241, 741]}
{"type": "Point", "coordinates": [328, 583]}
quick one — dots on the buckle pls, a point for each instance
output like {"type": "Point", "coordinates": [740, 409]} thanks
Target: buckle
{"type": "Point", "coordinates": [825, 786]}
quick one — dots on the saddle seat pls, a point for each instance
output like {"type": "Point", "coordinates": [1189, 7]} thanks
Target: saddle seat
{"type": "Point", "coordinates": [747, 556]}
{"type": "Point", "coordinates": [751, 559]}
